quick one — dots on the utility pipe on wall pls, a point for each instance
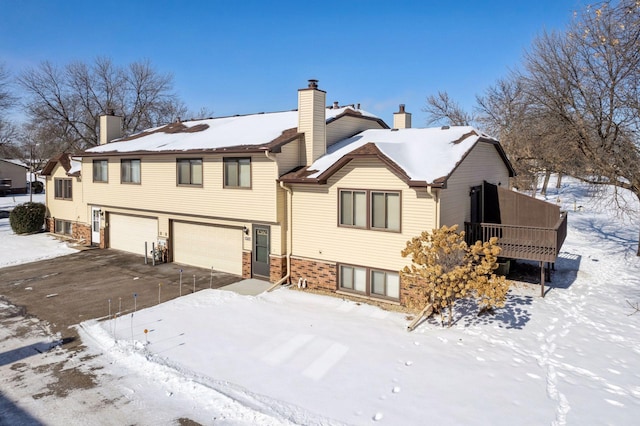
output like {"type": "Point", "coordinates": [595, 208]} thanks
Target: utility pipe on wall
{"type": "Point", "coordinates": [289, 228]}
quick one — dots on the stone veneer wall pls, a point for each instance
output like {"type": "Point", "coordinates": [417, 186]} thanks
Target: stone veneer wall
{"type": "Point", "coordinates": [277, 268]}
{"type": "Point", "coordinates": [246, 264]}
{"type": "Point", "coordinates": [317, 273]}
{"type": "Point", "coordinates": [81, 233]}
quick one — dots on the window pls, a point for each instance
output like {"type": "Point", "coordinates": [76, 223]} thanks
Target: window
{"type": "Point", "coordinates": [369, 282]}
{"type": "Point", "coordinates": [237, 172]}
{"type": "Point", "coordinates": [353, 208]}
{"type": "Point", "coordinates": [353, 278]}
{"type": "Point", "coordinates": [386, 284]}
{"type": "Point", "coordinates": [190, 171]}
{"type": "Point", "coordinates": [130, 171]}
{"type": "Point", "coordinates": [100, 171]}
{"type": "Point", "coordinates": [62, 188]}
{"type": "Point", "coordinates": [385, 210]}
{"type": "Point", "coordinates": [378, 210]}
{"type": "Point", "coordinates": [63, 227]}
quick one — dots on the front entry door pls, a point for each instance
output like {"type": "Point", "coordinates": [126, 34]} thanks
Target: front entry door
{"type": "Point", "coordinates": [95, 226]}
{"type": "Point", "coordinates": [260, 259]}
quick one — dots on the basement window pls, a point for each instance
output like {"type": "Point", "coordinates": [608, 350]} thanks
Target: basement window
{"type": "Point", "coordinates": [369, 282]}
{"type": "Point", "coordinates": [63, 227]}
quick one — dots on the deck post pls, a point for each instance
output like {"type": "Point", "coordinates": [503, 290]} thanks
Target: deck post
{"type": "Point", "coordinates": [542, 271]}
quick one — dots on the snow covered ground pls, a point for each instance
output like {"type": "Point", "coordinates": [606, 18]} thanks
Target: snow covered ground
{"type": "Point", "coordinates": [291, 357]}
{"type": "Point", "coordinates": [17, 249]}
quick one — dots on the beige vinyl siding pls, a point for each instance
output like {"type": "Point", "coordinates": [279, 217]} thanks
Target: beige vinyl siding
{"type": "Point", "coordinates": [159, 192]}
{"type": "Point", "coordinates": [289, 158]}
{"type": "Point", "coordinates": [347, 126]}
{"type": "Point", "coordinates": [158, 195]}
{"type": "Point", "coordinates": [483, 163]}
{"type": "Point", "coordinates": [312, 122]}
{"type": "Point", "coordinates": [316, 234]}
{"type": "Point", "coordinates": [74, 210]}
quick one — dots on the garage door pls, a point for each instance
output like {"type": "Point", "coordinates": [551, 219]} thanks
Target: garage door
{"type": "Point", "coordinates": [208, 246]}
{"type": "Point", "coordinates": [129, 233]}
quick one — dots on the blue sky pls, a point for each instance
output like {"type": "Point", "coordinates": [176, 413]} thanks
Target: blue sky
{"type": "Point", "coordinates": [240, 57]}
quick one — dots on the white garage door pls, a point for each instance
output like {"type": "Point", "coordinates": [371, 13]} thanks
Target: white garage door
{"type": "Point", "coordinates": [129, 233]}
{"type": "Point", "coordinates": [208, 246]}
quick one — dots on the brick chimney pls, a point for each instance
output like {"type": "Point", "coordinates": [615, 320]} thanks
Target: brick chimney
{"type": "Point", "coordinates": [312, 121]}
{"type": "Point", "coordinates": [401, 119]}
{"type": "Point", "coordinates": [110, 127]}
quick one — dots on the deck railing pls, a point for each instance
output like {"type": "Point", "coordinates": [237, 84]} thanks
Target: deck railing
{"type": "Point", "coordinates": [521, 242]}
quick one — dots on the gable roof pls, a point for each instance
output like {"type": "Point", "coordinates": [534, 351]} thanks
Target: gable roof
{"type": "Point", "coordinates": [257, 132]}
{"type": "Point", "coordinates": [420, 157]}
{"type": "Point", "coordinates": [14, 162]}
{"type": "Point", "coordinates": [70, 165]}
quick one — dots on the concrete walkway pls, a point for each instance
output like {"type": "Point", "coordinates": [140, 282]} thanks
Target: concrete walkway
{"type": "Point", "coordinates": [248, 287]}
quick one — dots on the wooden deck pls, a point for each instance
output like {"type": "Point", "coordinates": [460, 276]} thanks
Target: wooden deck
{"type": "Point", "coordinates": [522, 242]}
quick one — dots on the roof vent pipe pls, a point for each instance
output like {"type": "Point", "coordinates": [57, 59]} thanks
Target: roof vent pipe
{"type": "Point", "coordinates": [358, 106]}
{"type": "Point", "coordinates": [336, 105]}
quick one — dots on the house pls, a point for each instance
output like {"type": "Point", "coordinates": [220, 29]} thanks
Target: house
{"type": "Point", "coordinates": [13, 177]}
{"type": "Point", "coordinates": [66, 212]}
{"type": "Point", "coordinates": [325, 196]}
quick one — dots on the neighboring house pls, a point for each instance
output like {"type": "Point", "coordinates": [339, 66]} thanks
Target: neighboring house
{"type": "Point", "coordinates": [323, 195]}
{"type": "Point", "coordinates": [14, 171]}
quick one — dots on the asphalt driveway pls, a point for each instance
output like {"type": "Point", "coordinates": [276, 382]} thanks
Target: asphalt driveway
{"type": "Point", "coordinates": [94, 283]}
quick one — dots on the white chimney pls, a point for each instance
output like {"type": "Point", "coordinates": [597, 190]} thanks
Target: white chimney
{"type": "Point", "coordinates": [110, 127]}
{"type": "Point", "coordinates": [312, 121]}
{"type": "Point", "coordinates": [401, 119]}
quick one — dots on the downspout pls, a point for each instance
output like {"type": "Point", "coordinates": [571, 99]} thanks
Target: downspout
{"type": "Point", "coordinates": [289, 236]}
{"type": "Point", "coordinates": [435, 193]}
{"type": "Point", "coordinates": [289, 228]}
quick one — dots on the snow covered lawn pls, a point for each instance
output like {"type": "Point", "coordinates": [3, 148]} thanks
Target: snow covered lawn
{"type": "Point", "coordinates": [17, 249]}
{"type": "Point", "coordinates": [570, 358]}
{"type": "Point", "coordinates": [292, 357]}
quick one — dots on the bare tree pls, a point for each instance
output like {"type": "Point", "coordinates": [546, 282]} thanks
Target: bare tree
{"type": "Point", "coordinates": [441, 109]}
{"type": "Point", "coordinates": [65, 103]}
{"type": "Point", "coordinates": [586, 80]}
{"type": "Point", "coordinates": [8, 131]}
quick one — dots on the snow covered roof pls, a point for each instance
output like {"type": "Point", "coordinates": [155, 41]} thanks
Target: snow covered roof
{"type": "Point", "coordinates": [15, 162]}
{"type": "Point", "coordinates": [420, 155]}
{"type": "Point", "coordinates": [255, 131]}
{"type": "Point", "coordinates": [71, 166]}
{"type": "Point", "coordinates": [75, 166]}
